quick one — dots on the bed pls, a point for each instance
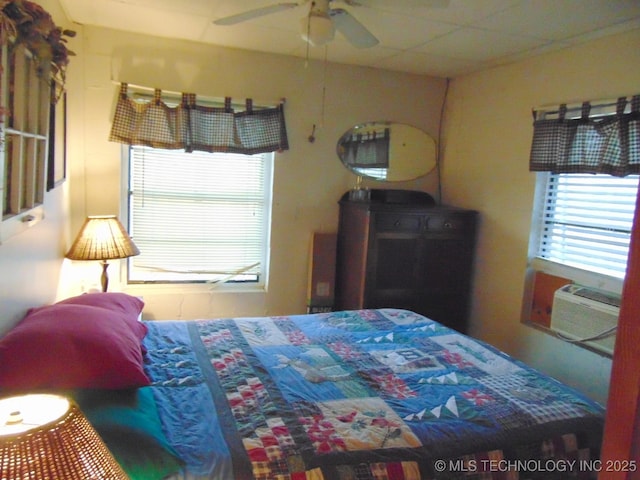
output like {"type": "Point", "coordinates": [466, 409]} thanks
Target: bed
{"type": "Point", "coordinates": [367, 394]}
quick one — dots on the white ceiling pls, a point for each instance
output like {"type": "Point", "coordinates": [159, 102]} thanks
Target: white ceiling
{"type": "Point", "coordinates": [465, 36]}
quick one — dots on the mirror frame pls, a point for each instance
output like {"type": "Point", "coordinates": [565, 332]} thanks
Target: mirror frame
{"type": "Point", "coordinates": [397, 151]}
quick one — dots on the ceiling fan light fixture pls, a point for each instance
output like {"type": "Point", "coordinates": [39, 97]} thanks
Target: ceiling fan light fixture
{"type": "Point", "coordinates": [317, 28]}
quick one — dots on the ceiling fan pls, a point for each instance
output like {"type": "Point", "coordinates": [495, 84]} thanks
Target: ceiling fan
{"type": "Point", "coordinates": [319, 25]}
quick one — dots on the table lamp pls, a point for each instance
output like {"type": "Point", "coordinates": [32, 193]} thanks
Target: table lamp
{"type": "Point", "coordinates": [47, 436]}
{"type": "Point", "coordinates": [102, 238]}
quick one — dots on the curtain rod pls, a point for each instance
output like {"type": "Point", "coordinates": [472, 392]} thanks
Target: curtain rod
{"type": "Point", "coordinates": [575, 105]}
{"type": "Point", "coordinates": [148, 92]}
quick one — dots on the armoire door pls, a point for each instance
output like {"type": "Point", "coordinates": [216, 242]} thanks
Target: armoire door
{"type": "Point", "coordinates": [393, 271]}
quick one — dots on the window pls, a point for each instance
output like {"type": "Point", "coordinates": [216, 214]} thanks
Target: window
{"type": "Point", "coordinates": [199, 217]}
{"type": "Point", "coordinates": [583, 213]}
{"type": "Point", "coordinates": [25, 96]}
{"type": "Point", "coordinates": [586, 221]}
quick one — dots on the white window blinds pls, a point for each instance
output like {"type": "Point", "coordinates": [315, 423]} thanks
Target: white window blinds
{"type": "Point", "coordinates": [199, 216]}
{"type": "Point", "coordinates": [587, 221]}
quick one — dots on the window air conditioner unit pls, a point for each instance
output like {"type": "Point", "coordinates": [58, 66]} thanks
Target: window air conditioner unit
{"type": "Point", "coordinates": [586, 316]}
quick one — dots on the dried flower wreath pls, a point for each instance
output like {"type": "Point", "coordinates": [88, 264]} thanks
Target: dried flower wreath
{"type": "Point", "coordinates": [27, 23]}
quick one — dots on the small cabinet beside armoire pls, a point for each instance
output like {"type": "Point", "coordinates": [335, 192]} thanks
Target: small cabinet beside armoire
{"type": "Point", "coordinates": [397, 249]}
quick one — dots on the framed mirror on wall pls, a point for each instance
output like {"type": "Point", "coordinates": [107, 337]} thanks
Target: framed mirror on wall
{"type": "Point", "coordinates": [387, 151]}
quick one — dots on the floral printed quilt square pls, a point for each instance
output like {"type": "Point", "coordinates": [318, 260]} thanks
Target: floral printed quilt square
{"type": "Point", "coordinates": [358, 424]}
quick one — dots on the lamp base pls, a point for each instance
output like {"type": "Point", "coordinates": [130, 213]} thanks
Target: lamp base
{"type": "Point", "coordinates": [104, 278]}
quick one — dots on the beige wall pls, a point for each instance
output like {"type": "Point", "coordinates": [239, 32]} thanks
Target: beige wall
{"type": "Point", "coordinates": [308, 179]}
{"type": "Point", "coordinates": [485, 166]}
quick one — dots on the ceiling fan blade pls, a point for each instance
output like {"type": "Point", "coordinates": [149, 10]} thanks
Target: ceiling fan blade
{"type": "Point", "coordinates": [352, 29]}
{"type": "Point", "coordinates": [251, 14]}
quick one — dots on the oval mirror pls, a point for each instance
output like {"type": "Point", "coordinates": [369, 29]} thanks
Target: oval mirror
{"type": "Point", "coordinates": [387, 151]}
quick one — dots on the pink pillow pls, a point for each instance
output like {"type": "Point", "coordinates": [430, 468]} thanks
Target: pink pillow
{"type": "Point", "coordinates": [130, 306]}
{"type": "Point", "coordinates": [71, 346]}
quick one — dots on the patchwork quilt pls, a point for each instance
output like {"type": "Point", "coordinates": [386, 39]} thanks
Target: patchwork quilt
{"type": "Point", "coordinates": [369, 394]}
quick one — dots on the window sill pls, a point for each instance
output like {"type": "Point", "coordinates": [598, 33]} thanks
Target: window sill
{"type": "Point", "coordinates": [554, 334]}
{"type": "Point", "coordinates": [192, 288]}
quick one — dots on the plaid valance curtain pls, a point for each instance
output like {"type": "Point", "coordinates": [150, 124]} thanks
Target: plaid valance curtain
{"type": "Point", "coordinates": [367, 150]}
{"type": "Point", "coordinates": [589, 144]}
{"type": "Point", "coordinates": [192, 127]}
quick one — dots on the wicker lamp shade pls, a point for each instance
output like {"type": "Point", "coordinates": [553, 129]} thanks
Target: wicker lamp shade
{"type": "Point", "coordinates": [46, 437]}
{"type": "Point", "coordinates": [102, 238]}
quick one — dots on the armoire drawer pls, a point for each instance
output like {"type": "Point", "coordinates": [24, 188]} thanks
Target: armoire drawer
{"type": "Point", "coordinates": [446, 223]}
{"type": "Point", "coordinates": [393, 222]}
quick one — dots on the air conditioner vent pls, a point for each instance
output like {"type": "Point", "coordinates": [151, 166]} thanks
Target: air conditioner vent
{"type": "Point", "coordinates": [597, 296]}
